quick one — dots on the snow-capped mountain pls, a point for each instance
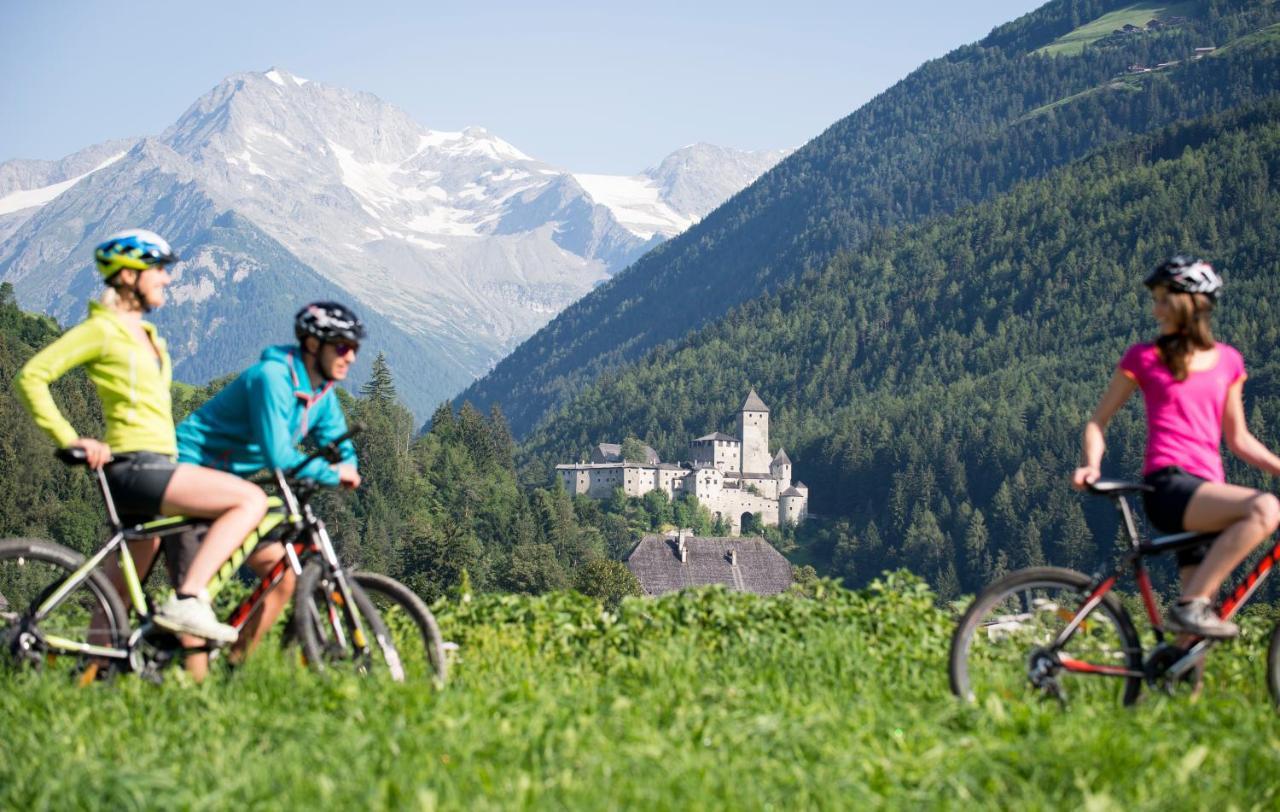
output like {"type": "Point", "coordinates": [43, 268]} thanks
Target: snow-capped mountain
{"type": "Point", "coordinates": [668, 198]}
{"type": "Point", "coordinates": [270, 185]}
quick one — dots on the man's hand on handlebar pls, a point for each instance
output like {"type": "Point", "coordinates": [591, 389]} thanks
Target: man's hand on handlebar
{"type": "Point", "coordinates": [348, 477]}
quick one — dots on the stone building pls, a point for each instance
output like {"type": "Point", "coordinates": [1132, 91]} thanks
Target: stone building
{"type": "Point", "coordinates": [734, 477]}
{"type": "Point", "coordinates": [678, 560]}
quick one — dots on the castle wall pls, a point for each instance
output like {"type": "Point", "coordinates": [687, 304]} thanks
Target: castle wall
{"type": "Point", "coordinates": [765, 487]}
{"type": "Point", "coordinates": [793, 509]}
{"type": "Point", "coordinates": [707, 483]}
{"type": "Point", "coordinates": [702, 452]}
{"type": "Point", "coordinates": [639, 479]}
{"type": "Point", "coordinates": [728, 456]}
{"type": "Point", "coordinates": [731, 504]}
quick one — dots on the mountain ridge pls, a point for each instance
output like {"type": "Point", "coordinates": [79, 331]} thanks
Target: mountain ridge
{"type": "Point", "coordinates": [463, 242]}
{"type": "Point", "coordinates": [937, 140]}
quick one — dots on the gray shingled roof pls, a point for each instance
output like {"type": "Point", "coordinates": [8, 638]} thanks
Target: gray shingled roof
{"type": "Point", "coordinates": [655, 562]}
{"type": "Point", "coordinates": [754, 403]}
{"type": "Point", "coordinates": [790, 492]}
{"type": "Point", "coordinates": [781, 458]}
{"type": "Point", "coordinates": [612, 452]}
{"type": "Point", "coordinates": [717, 436]}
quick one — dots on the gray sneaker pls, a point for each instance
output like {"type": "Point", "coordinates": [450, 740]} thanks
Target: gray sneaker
{"type": "Point", "coordinates": [195, 617]}
{"type": "Point", "coordinates": [1197, 617]}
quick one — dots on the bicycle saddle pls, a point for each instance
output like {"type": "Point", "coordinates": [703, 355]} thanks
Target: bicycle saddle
{"type": "Point", "coordinates": [1109, 487]}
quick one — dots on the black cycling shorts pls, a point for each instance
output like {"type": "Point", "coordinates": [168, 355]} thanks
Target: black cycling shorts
{"type": "Point", "coordinates": [1167, 504]}
{"type": "Point", "coordinates": [138, 481]}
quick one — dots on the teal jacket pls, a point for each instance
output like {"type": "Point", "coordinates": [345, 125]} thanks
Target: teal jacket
{"type": "Point", "coordinates": [262, 416]}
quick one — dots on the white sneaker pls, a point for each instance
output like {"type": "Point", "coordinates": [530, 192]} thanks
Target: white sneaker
{"type": "Point", "coordinates": [1197, 617]}
{"type": "Point", "coordinates": [195, 617]}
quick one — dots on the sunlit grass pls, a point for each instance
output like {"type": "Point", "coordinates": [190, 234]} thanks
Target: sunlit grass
{"type": "Point", "coordinates": [710, 700]}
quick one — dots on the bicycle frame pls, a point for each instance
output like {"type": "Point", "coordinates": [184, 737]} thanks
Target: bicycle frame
{"type": "Point", "coordinates": [301, 520]}
{"type": "Point", "coordinates": [1136, 558]}
{"type": "Point", "coordinates": [129, 571]}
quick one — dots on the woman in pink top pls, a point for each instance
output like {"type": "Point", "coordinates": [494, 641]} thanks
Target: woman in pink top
{"type": "Point", "coordinates": [1191, 386]}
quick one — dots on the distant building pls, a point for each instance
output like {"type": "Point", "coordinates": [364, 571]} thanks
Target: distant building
{"type": "Point", "coordinates": [734, 477]}
{"type": "Point", "coordinates": [680, 559]}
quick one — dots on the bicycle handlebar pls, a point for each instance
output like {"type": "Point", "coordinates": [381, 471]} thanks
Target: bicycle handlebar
{"type": "Point", "coordinates": [329, 451]}
{"type": "Point", "coordinates": [72, 455]}
{"type": "Point", "coordinates": [1111, 487]}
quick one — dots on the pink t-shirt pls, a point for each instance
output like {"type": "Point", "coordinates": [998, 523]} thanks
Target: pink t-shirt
{"type": "Point", "coordinates": [1184, 418]}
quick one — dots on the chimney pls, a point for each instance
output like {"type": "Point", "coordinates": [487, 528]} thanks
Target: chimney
{"type": "Point", "coordinates": [733, 558]}
{"type": "Point", "coordinates": [684, 551]}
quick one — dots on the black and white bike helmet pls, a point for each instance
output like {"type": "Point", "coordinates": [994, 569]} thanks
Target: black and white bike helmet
{"type": "Point", "coordinates": [329, 322]}
{"type": "Point", "coordinates": [1183, 274]}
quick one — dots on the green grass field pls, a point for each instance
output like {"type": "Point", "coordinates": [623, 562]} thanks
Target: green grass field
{"type": "Point", "coordinates": [1138, 14]}
{"type": "Point", "coordinates": [707, 700]}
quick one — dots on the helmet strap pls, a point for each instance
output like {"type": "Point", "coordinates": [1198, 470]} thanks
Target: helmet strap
{"type": "Point", "coordinates": [139, 300]}
{"type": "Point", "coordinates": [143, 304]}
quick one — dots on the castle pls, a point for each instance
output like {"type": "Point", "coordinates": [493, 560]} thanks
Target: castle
{"type": "Point", "coordinates": [733, 477]}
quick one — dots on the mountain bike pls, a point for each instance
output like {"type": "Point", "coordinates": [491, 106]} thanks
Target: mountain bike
{"type": "Point", "coordinates": [1058, 632]}
{"type": "Point", "coordinates": [58, 610]}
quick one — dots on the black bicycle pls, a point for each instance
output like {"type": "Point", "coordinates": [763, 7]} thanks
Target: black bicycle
{"type": "Point", "coordinates": [1058, 633]}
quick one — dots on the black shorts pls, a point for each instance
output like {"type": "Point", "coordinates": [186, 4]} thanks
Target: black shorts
{"type": "Point", "coordinates": [1167, 504]}
{"type": "Point", "coordinates": [138, 481]}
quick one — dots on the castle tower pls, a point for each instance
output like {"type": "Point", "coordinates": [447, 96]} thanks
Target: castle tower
{"type": "Point", "coordinates": [753, 430]}
{"type": "Point", "coordinates": [781, 469]}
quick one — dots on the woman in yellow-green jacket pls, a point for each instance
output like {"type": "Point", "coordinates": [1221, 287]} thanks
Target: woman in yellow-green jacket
{"type": "Point", "coordinates": [129, 365]}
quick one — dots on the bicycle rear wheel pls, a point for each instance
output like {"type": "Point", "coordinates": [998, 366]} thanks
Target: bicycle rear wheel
{"type": "Point", "coordinates": [412, 626]}
{"type": "Point", "coordinates": [327, 636]}
{"type": "Point", "coordinates": [1002, 645]}
{"type": "Point", "coordinates": [92, 613]}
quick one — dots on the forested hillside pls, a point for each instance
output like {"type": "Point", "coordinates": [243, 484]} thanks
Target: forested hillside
{"type": "Point", "coordinates": [930, 387]}
{"type": "Point", "coordinates": [959, 130]}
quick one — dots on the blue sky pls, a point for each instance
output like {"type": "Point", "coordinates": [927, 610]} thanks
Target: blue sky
{"type": "Point", "coordinates": [590, 86]}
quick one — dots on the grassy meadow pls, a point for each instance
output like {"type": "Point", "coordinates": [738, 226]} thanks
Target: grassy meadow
{"type": "Point", "coordinates": [704, 700]}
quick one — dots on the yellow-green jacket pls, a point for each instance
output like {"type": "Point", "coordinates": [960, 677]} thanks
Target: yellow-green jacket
{"type": "Point", "coordinates": [134, 389]}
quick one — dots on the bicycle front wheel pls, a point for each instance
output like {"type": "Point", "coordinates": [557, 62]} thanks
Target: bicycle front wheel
{"type": "Point", "coordinates": [328, 634]}
{"type": "Point", "coordinates": [90, 614]}
{"type": "Point", "coordinates": [1004, 647]}
{"type": "Point", "coordinates": [412, 627]}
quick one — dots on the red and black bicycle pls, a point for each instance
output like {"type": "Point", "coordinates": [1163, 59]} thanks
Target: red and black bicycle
{"type": "Point", "coordinates": [1059, 633]}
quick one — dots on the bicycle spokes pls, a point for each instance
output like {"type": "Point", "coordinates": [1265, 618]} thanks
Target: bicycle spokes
{"type": "Point", "coordinates": [78, 621]}
{"type": "Point", "coordinates": [1017, 644]}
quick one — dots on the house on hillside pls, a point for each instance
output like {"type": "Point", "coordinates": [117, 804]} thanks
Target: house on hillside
{"type": "Point", "coordinates": [680, 559]}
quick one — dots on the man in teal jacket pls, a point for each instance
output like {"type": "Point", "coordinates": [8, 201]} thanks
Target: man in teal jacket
{"type": "Point", "coordinates": [258, 421]}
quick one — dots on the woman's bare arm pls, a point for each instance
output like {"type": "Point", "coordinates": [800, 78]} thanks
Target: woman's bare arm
{"type": "Point", "coordinates": [1118, 392]}
{"type": "Point", "coordinates": [1238, 437]}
